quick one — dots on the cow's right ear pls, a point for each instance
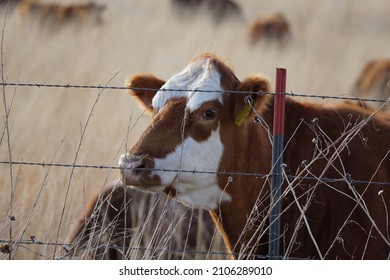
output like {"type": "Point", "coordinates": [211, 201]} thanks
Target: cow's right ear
{"type": "Point", "coordinates": [143, 87]}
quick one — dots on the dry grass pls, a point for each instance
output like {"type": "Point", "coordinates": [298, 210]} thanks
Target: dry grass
{"type": "Point", "coordinates": [332, 41]}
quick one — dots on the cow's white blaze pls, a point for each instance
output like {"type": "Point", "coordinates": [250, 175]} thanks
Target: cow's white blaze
{"type": "Point", "coordinates": [198, 75]}
{"type": "Point", "coordinates": [195, 189]}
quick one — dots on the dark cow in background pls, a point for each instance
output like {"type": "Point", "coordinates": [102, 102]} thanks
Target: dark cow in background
{"type": "Point", "coordinates": [12, 3]}
{"type": "Point", "coordinates": [204, 148]}
{"type": "Point", "coordinates": [55, 13]}
{"type": "Point", "coordinates": [123, 223]}
{"type": "Point", "coordinates": [219, 10]}
{"type": "Point", "coordinates": [374, 80]}
{"type": "Point", "coordinates": [271, 28]}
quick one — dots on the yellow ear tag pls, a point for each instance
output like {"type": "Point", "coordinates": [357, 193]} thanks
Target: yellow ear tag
{"type": "Point", "coordinates": [244, 114]}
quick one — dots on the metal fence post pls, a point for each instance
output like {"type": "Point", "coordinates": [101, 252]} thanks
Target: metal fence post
{"type": "Point", "coordinates": [277, 160]}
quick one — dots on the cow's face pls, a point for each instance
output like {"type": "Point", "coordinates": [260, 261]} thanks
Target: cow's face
{"type": "Point", "coordinates": [181, 150]}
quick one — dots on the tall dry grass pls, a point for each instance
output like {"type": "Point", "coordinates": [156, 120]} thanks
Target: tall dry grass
{"type": "Point", "coordinates": [332, 41]}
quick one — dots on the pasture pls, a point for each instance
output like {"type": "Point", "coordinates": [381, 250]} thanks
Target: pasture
{"type": "Point", "coordinates": [331, 42]}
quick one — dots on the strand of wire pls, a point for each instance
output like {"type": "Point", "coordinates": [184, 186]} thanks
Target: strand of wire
{"type": "Point", "coordinates": [66, 247]}
{"type": "Point", "coordinates": [347, 177]}
{"type": "Point", "coordinates": [292, 94]}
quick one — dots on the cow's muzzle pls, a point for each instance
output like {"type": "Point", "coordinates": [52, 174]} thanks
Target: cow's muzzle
{"type": "Point", "coordinates": [134, 169]}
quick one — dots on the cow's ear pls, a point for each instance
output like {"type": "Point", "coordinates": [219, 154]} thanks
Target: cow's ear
{"type": "Point", "coordinates": [244, 103]}
{"type": "Point", "coordinates": [143, 87]}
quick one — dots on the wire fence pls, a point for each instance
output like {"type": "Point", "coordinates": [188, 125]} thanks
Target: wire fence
{"type": "Point", "coordinates": [104, 87]}
{"type": "Point", "coordinates": [4, 248]}
{"type": "Point", "coordinates": [347, 178]}
{"type": "Point", "coordinates": [66, 248]}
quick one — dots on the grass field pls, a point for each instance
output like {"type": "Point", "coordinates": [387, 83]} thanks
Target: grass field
{"type": "Point", "coordinates": [332, 40]}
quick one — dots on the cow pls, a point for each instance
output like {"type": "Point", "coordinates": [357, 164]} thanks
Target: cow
{"type": "Point", "coordinates": [374, 80]}
{"type": "Point", "coordinates": [220, 10]}
{"type": "Point", "coordinates": [124, 223]}
{"type": "Point", "coordinates": [10, 3]}
{"type": "Point", "coordinates": [270, 28]}
{"type": "Point", "coordinates": [56, 14]}
{"type": "Point", "coordinates": [210, 147]}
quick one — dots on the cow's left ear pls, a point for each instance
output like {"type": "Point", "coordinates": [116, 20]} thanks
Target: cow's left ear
{"type": "Point", "coordinates": [253, 84]}
{"type": "Point", "coordinates": [143, 87]}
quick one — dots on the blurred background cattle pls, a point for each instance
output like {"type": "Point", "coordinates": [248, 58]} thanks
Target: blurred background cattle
{"type": "Point", "coordinates": [49, 14]}
{"type": "Point", "coordinates": [271, 28]}
{"type": "Point", "coordinates": [374, 80]}
{"type": "Point", "coordinates": [219, 10]}
{"type": "Point", "coordinates": [10, 3]}
{"type": "Point", "coordinates": [123, 223]}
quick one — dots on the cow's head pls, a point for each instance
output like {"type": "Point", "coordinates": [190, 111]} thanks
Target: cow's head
{"type": "Point", "coordinates": [181, 150]}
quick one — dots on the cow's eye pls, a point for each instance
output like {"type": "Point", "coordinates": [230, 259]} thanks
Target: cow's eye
{"type": "Point", "coordinates": [209, 114]}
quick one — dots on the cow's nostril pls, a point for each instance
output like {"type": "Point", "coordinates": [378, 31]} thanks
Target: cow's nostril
{"type": "Point", "coordinates": [138, 169]}
{"type": "Point", "coordinates": [135, 169]}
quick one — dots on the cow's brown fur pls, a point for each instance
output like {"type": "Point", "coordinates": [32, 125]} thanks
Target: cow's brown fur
{"type": "Point", "coordinates": [274, 27]}
{"type": "Point", "coordinates": [344, 217]}
{"type": "Point", "coordinates": [120, 217]}
{"type": "Point", "coordinates": [143, 83]}
{"type": "Point", "coordinates": [374, 80]}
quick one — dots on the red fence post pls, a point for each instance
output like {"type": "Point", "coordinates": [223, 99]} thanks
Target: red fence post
{"type": "Point", "coordinates": [277, 161]}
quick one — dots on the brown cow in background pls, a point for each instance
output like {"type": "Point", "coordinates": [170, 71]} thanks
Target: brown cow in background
{"type": "Point", "coordinates": [220, 10]}
{"type": "Point", "coordinates": [123, 223]}
{"type": "Point", "coordinates": [274, 27]}
{"type": "Point", "coordinates": [374, 80]}
{"type": "Point", "coordinates": [12, 3]}
{"type": "Point", "coordinates": [53, 13]}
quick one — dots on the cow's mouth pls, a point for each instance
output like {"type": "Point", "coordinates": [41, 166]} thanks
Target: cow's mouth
{"type": "Point", "coordinates": [170, 191]}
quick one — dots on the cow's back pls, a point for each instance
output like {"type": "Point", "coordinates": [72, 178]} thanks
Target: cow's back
{"type": "Point", "coordinates": [340, 160]}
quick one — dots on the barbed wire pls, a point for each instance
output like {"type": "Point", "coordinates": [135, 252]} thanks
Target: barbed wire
{"type": "Point", "coordinates": [347, 177]}
{"type": "Point", "coordinates": [33, 241]}
{"type": "Point", "coordinates": [41, 85]}
{"type": "Point", "coordinates": [291, 93]}
{"type": "Point", "coordinates": [67, 248]}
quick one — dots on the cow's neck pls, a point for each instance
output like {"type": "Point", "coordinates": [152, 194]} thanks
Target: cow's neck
{"type": "Point", "coordinates": [245, 148]}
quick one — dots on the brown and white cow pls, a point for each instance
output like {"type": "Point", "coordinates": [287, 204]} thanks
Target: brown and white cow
{"type": "Point", "coordinates": [374, 80]}
{"type": "Point", "coordinates": [271, 28]}
{"type": "Point", "coordinates": [203, 148]}
{"type": "Point", "coordinates": [124, 223]}
{"type": "Point", "coordinates": [54, 13]}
